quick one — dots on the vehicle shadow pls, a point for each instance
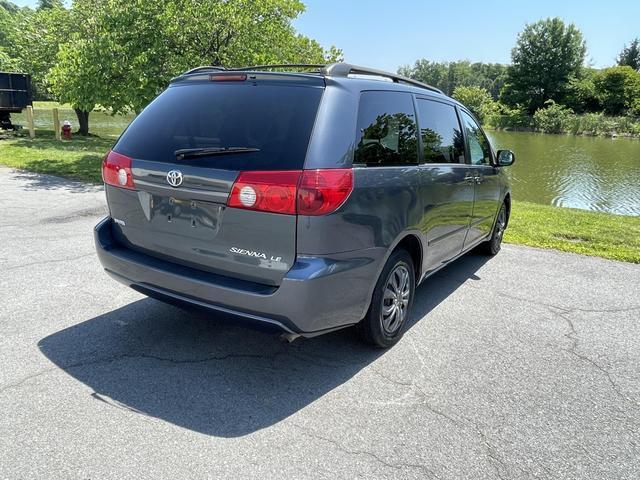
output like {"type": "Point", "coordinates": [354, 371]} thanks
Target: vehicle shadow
{"type": "Point", "coordinates": [43, 181]}
{"type": "Point", "coordinates": [214, 377]}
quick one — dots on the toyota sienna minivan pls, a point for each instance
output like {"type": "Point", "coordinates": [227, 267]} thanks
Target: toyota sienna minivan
{"type": "Point", "coordinates": [308, 201]}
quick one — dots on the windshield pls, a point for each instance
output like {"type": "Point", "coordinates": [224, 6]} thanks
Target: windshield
{"type": "Point", "coordinates": [274, 119]}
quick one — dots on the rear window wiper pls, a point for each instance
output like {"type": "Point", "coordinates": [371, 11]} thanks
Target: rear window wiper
{"type": "Point", "coordinates": [210, 151]}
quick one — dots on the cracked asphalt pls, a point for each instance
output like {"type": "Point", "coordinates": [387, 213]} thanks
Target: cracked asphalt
{"type": "Point", "coordinates": [526, 365]}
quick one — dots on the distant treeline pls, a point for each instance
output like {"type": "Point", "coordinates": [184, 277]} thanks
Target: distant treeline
{"type": "Point", "coordinates": [447, 76]}
{"type": "Point", "coordinates": [547, 87]}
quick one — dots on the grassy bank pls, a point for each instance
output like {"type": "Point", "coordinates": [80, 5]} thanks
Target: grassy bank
{"type": "Point", "coordinates": [591, 233]}
{"type": "Point", "coordinates": [79, 158]}
{"type": "Point", "coordinates": [609, 236]}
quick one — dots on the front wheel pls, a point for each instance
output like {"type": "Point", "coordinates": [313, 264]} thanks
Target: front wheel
{"type": "Point", "coordinates": [391, 303]}
{"type": "Point", "coordinates": [493, 245]}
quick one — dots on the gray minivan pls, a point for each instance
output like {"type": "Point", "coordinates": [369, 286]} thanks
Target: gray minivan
{"type": "Point", "coordinates": [307, 201]}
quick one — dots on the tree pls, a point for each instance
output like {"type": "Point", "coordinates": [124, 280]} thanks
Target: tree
{"type": "Point", "coordinates": [630, 56]}
{"type": "Point", "coordinates": [9, 6]}
{"type": "Point", "coordinates": [490, 76]}
{"type": "Point", "coordinates": [447, 76]}
{"type": "Point", "coordinates": [8, 38]}
{"type": "Point", "coordinates": [581, 93]}
{"type": "Point", "coordinates": [432, 73]}
{"type": "Point", "coordinates": [618, 89]}
{"type": "Point", "coordinates": [547, 55]}
{"type": "Point", "coordinates": [44, 4]}
{"type": "Point", "coordinates": [123, 53]}
{"type": "Point", "coordinates": [476, 99]}
{"type": "Point", "coordinates": [113, 56]}
{"type": "Point", "coordinates": [41, 34]}
{"type": "Point", "coordinates": [238, 32]}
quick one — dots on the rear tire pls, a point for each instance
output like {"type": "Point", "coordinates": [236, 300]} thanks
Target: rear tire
{"type": "Point", "coordinates": [391, 303]}
{"type": "Point", "coordinates": [493, 245]}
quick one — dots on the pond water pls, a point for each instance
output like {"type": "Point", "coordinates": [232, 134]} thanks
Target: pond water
{"type": "Point", "coordinates": [592, 173]}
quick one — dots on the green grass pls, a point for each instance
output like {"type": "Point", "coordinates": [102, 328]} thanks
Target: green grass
{"type": "Point", "coordinates": [599, 234]}
{"type": "Point", "coordinates": [591, 233]}
{"type": "Point", "coordinates": [79, 158]}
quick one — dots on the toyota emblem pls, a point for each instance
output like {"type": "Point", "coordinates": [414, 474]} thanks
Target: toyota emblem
{"type": "Point", "coordinates": [174, 178]}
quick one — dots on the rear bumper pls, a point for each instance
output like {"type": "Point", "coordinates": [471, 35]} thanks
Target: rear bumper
{"type": "Point", "coordinates": [318, 294]}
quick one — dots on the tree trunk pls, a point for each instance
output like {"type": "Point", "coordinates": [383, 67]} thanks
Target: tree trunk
{"type": "Point", "coordinates": [83, 121]}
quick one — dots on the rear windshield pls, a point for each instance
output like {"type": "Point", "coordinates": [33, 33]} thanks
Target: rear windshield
{"type": "Point", "coordinates": [275, 118]}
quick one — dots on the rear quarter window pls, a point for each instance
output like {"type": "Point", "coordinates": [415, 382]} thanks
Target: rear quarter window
{"type": "Point", "coordinates": [386, 132]}
{"type": "Point", "coordinates": [275, 118]}
{"type": "Point", "coordinates": [442, 139]}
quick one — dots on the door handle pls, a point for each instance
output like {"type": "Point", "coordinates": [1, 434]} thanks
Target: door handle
{"type": "Point", "coordinates": [479, 179]}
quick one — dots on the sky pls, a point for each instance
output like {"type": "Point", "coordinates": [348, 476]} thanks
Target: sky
{"type": "Point", "coordinates": [388, 34]}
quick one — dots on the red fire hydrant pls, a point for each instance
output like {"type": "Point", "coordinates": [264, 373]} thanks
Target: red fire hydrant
{"type": "Point", "coordinates": [66, 130]}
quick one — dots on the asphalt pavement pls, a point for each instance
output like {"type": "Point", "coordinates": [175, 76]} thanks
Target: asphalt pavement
{"type": "Point", "coordinates": [525, 365]}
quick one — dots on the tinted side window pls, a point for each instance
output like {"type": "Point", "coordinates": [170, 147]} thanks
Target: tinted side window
{"type": "Point", "coordinates": [386, 132]}
{"type": "Point", "coordinates": [442, 140]}
{"type": "Point", "coordinates": [479, 148]}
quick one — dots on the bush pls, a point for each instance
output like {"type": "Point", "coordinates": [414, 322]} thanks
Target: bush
{"type": "Point", "coordinates": [554, 118]}
{"type": "Point", "coordinates": [560, 119]}
{"type": "Point", "coordinates": [602, 125]}
{"type": "Point", "coordinates": [506, 118]}
{"type": "Point", "coordinates": [587, 124]}
{"type": "Point", "coordinates": [476, 99]}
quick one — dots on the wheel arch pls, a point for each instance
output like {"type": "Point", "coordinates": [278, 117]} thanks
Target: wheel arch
{"type": "Point", "coordinates": [408, 240]}
{"type": "Point", "coordinates": [507, 202]}
{"type": "Point", "coordinates": [412, 244]}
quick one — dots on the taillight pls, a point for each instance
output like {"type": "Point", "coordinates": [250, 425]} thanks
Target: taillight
{"type": "Point", "coordinates": [306, 192]}
{"type": "Point", "coordinates": [323, 191]}
{"type": "Point", "coordinates": [116, 170]}
{"type": "Point", "coordinates": [269, 191]}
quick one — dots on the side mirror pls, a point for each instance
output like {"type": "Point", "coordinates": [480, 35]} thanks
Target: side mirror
{"type": "Point", "coordinates": [506, 158]}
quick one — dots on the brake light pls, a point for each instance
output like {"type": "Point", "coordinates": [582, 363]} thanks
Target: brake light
{"type": "Point", "coordinates": [323, 191]}
{"type": "Point", "coordinates": [116, 170]}
{"type": "Point", "coordinates": [306, 192]}
{"type": "Point", "coordinates": [269, 191]}
{"type": "Point", "coordinates": [227, 78]}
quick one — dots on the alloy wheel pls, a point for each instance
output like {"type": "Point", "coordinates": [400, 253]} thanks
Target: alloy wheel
{"type": "Point", "coordinates": [395, 299]}
{"type": "Point", "coordinates": [501, 225]}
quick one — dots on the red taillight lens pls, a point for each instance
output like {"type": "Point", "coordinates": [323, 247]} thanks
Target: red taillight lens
{"type": "Point", "coordinates": [269, 191]}
{"type": "Point", "coordinates": [306, 192]}
{"type": "Point", "coordinates": [323, 191]}
{"type": "Point", "coordinates": [116, 170]}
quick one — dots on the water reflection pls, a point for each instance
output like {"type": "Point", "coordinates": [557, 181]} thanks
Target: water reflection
{"type": "Point", "coordinates": [590, 173]}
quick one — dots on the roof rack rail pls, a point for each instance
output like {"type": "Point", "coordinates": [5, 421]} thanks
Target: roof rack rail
{"type": "Point", "coordinates": [345, 69]}
{"type": "Point", "coordinates": [338, 69]}
{"type": "Point", "coordinates": [204, 68]}
{"type": "Point", "coordinates": [282, 65]}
